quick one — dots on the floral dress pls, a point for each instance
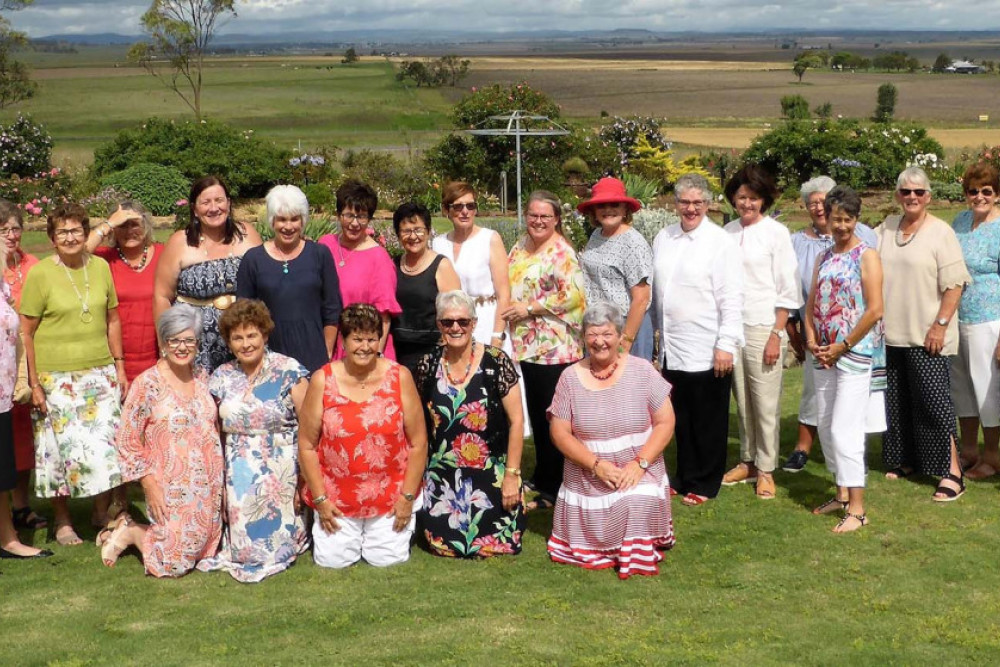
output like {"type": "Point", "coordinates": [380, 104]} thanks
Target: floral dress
{"type": "Point", "coordinates": [463, 514]}
{"type": "Point", "coordinates": [263, 533]}
{"type": "Point", "coordinates": [175, 439]}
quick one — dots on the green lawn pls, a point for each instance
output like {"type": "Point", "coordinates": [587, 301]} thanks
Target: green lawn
{"type": "Point", "coordinates": [749, 581]}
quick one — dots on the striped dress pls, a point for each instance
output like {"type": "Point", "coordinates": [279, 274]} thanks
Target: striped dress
{"type": "Point", "coordinates": [594, 526]}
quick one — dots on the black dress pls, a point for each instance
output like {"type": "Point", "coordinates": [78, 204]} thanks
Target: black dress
{"type": "Point", "coordinates": [303, 296]}
{"type": "Point", "coordinates": [414, 331]}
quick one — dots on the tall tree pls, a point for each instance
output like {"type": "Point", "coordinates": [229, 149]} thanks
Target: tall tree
{"type": "Point", "coordinates": [941, 63]}
{"type": "Point", "coordinates": [15, 84]}
{"type": "Point", "coordinates": [885, 105]}
{"type": "Point", "coordinates": [803, 62]}
{"type": "Point", "coordinates": [180, 32]}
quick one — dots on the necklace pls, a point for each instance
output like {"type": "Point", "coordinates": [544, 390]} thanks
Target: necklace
{"type": "Point", "coordinates": [204, 251]}
{"type": "Point", "coordinates": [468, 369]}
{"type": "Point", "coordinates": [362, 382]}
{"type": "Point", "coordinates": [85, 315]}
{"type": "Point", "coordinates": [142, 261]}
{"type": "Point", "coordinates": [915, 227]}
{"type": "Point", "coordinates": [605, 376]}
{"type": "Point", "coordinates": [17, 267]}
{"type": "Point", "coordinates": [283, 258]}
{"type": "Point", "coordinates": [819, 234]}
{"type": "Point", "coordinates": [411, 271]}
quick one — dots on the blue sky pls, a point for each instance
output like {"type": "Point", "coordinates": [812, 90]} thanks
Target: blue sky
{"type": "Point", "coordinates": [262, 16]}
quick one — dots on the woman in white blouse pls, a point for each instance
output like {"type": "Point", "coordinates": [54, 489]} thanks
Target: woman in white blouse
{"type": "Point", "coordinates": [770, 293]}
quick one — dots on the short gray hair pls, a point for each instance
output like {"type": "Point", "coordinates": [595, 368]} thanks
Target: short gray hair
{"type": "Point", "coordinates": [601, 313]}
{"type": "Point", "coordinates": [287, 200]}
{"type": "Point", "coordinates": [454, 299]}
{"type": "Point", "coordinates": [819, 184]}
{"type": "Point", "coordinates": [693, 182]}
{"type": "Point", "coordinates": [147, 220]}
{"type": "Point", "coordinates": [179, 317]}
{"type": "Point", "coordinates": [915, 175]}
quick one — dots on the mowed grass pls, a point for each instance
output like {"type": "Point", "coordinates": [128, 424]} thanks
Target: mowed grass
{"type": "Point", "coordinates": [749, 581]}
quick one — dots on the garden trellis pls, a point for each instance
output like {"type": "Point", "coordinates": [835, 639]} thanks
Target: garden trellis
{"type": "Point", "coordinates": [519, 124]}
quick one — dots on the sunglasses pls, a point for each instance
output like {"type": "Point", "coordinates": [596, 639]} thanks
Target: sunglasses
{"type": "Point", "coordinates": [986, 192]}
{"type": "Point", "coordinates": [906, 192]}
{"type": "Point", "coordinates": [455, 208]}
{"type": "Point", "coordinates": [448, 323]}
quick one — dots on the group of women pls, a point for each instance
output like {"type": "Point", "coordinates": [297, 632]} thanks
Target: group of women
{"type": "Point", "coordinates": [238, 380]}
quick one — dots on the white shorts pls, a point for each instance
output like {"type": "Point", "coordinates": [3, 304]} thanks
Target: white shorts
{"type": "Point", "coordinates": [374, 540]}
{"type": "Point", "coordinates": [975, 378]}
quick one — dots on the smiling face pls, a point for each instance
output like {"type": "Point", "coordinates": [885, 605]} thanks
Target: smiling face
{"type": "Point", "coordinates": [10, 235]}
{"type": "Point", "coordinates": [691, 206]}
{"type": "Point", "coordinates": [211, 207]}
{"type": "Point", "coordinates": [130, 234]}
{"type": "Point", "coordinates": [462, 212]}
{"type": "Point", "coordinates": [180, 349]}
{"type": "Point", "coordinates": [914, 198]}
{"type": "Point", "coordinates": [983, 201]}
{"type": "Point", "coordinates": [542, 221]}
{"type": "Point", "coordinates": [456, 326]}
{"type": "Point", "coordinates": [610, 215]}
{"type": "Point", "coordinates": [748, 205]}
{"type": "Point", "coordinates": [353, 225]}
{"type": "Point", "coordinates": [69, 238]}
{"type": "Point", "coordinates": [287, 229]}
{"type": "Point", "coordinates": [602, 343]}
{"type": "Point", "coordinates": [414, 235]}
{"type": "Point", "coordinates": [817, 213]}
{"type": "Point", "coordinates": [361, 349]}
{"type": "Point", "coordinates": [247, 343]}
{"type": "Point", "coordinates": [842, 226]}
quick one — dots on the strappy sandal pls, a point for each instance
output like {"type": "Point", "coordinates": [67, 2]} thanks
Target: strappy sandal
{"type": "Point", "coordinates": [899, 472]}
{"type": "Point", "coordinates": [113, 548]}
{"type": "Point", "coordinates": [26, 519]}
{"type": "Point", "coordinates": [948, 494]}
{"type": "Point", "coordinates": [693, 500]}
{"type": "Point", "coordinates": [831, 506]}
{"type": "Point", "coordinates": [862, 520]}
{"type": "Point", "coordinates": [66, 535]}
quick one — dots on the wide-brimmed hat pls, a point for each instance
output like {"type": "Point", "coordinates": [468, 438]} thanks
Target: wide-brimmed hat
{"type": "Point", "coordinates": [609, 191]}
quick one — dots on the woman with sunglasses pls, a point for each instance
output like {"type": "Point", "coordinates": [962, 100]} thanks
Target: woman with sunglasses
{"type": "Point", "coordinates": [364, 268]}
{"type": "Point", "coordinates": [975, 376]}
{"type": "Point", "coordinates": [924, 274]}
{"type": "Point", "coordinates": [475, 431]}
{"type": "Point", "coordinates": [421, 274]}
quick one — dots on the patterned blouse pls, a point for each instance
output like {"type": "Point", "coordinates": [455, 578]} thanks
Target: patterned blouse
{"type": "Point", "coordinates": [8, 348]}
{"type": "Point", "coordinates": [553, 278]}
{"type": "Point", "coordinates": [981, 249]}
{"type": "Point", "coordinates": [614, 265]}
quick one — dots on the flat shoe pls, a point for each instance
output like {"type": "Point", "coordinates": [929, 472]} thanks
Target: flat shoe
{"type": "Point", "coordinates": [742, 473]}
{"type": "Point", "coordinates": [898, 473]}
{"type": "Point", "coordinates": [831, 506]}
{"type": "Point", "coordinates": [66, 536]}
{"type": "Point", "coordinates": [693, 500]}
{"type": "Point", "coordinates": [765, 487]}
{"type": "Point", "coordinates": [44, 553]}
{"type": "Point", "coordinates": [26, 519]}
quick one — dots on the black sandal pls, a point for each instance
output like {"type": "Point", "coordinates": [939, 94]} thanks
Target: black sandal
{"type": "Point", "coordinates": [861, 518]}
{"type": "Point", "coordinates": [831, 506]}
{"type": "Point", "coordinates": [542, 501]}
{"type": "Point", "coordinates": [26, 519]}
{"type": "Point", "coordinates": [949, 494]}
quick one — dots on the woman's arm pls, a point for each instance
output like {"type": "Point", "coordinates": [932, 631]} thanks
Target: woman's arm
{"type": "Point", "coordinates": [416, 435]}
{"type": "Point", "coordinates": [640, 295]}
{"type": "Point", "coordinates": [100, 233]}
{"type": "Point", "coordinates": [659, 438]}
{"type": "Point", "coordinates": [934, 341]}
{"type": "Point", "coordinates": [28, 327]}
{"type": "Point", "coordinates": [871, 289]}
{"type": "Point", "coordinates": [447, 278]}
{"type": "Point", "coordinates": [511, 485]}
{"type": "Point", "coordinates": [310, 424]}
{"type": "Point", "coordinates": [117, 349]}
{"type": "Point", "coordinates": [809, 330]}
{"type": "Point", "coordinates": [562, 437]}
{"type": "Point", "coordinates": [499, 271]}
{"type": "Point", "coordinates": [167, 270]}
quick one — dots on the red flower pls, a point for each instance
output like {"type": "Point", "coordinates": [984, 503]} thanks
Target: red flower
{"type": "Point", "coordinates": [489, 545]}
{"type": "Point", "coordinates": [475, 416]}
{"type": "Point", "coordinates": [470, 450]}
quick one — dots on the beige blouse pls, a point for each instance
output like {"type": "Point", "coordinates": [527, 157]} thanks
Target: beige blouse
{"type": "Point", "coordinates": [915, 276]}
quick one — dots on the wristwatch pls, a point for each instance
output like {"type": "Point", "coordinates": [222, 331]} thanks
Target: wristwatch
{"type": "Point", "coordinates": [780, 333]}
{"type": "Point", "coordinates": [643, 463]}
{"type": "Point", "coordinates": [942, 321]}
{"type": "Point", "coordinates": [409, 497]}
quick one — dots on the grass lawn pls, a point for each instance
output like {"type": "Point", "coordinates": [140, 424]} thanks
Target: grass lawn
{"type": "Point", "coordinates": [748, 581]}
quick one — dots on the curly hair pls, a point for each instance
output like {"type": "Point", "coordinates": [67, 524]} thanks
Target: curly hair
{"type": "Point", "coordinates": [246, 312]}
{"type": "Point", "coordinates": [362, 317]}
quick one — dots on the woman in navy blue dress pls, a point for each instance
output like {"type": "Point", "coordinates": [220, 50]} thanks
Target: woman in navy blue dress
{"type": "Point", "coordinates": [296, 279]}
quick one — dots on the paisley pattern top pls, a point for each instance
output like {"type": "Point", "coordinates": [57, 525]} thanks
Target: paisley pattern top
{"type": "Point", "coordinates": [207, 280]}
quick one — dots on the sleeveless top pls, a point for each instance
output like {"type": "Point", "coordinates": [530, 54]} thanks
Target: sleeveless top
{"type": "Point", "coordinates": [208, 280]}
{"type": "Point", "coordinates": [416, 294]}
{"type": "Point", "coordinates": [473, 264]}
{"type": "Point", "coordinates": [839, 305]}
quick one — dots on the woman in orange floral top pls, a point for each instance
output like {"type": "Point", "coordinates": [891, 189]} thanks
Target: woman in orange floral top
{"type": "Point", "coordinates": [362, 449]}
{"type": "Point", "coordinates": [545, 315]}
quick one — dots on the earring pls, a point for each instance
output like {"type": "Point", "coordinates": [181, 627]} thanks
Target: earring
{"type": "Point", "coordinates": [163, 352]}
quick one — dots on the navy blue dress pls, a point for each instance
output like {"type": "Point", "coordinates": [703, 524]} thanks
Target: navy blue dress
{"type": "Point", "coordinates": [302, 301]}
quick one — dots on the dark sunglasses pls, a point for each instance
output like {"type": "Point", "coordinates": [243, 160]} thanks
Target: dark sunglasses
{"type": "Point", "coordinates": [986, 192]}
{"type": "Point", "coordinates": [458, 207]}
{"type": "Point", "coordinates": [449, 323]}
{"type": "Point", "coordinates": [906, 192]}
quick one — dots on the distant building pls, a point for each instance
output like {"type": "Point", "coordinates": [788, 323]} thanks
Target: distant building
{"type": "Point", "coordinates": [964, 67]}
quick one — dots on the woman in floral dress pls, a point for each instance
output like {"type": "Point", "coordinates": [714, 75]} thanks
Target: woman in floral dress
{"type": "Point", "coordinates": [169, 442]}
{"type": "Point", "coordinates": [475, 423]}
{"type": "Point", "coordinates": [260, 395]}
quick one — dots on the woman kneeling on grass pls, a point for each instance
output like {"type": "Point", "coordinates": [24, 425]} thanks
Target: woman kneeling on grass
{"type": "Point", "coordinates": [844, 334]}
{"type": "Point", "coordinates": [611, 418]}
{"type": "Point", "coordinates": [169, 441]}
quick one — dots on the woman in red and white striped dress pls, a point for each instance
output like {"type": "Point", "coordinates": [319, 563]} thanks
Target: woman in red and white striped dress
{"type": "Point", "coordinates": [611, 418]}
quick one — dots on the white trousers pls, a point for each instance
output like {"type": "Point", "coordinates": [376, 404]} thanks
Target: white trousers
{"type": "Point", "coordinates": [371, 539]}
{"type": "Point", "coordinates": [975, 377]}
{"type": "Point", "coordinates": [842, 401]}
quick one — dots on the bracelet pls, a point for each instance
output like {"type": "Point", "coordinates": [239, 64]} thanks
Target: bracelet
{"type": "Point", "coordinates": [118, 358]}
{"type": "Point", "coordinates": [320, 499]}
{"type": "Point", "coordinates": [626, 337]}
{"type": "Point", "coordinates": [847, 345]}
{"type": "Point", "coordinates": [409, 497]}
{"type": "Point", "coordinates": [593, 468]}
{"type": "Point", "coordinates": [514, 472]}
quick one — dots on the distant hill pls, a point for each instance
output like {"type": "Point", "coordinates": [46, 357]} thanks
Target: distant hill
{"type": "Point", "coordinates": [102, 39]}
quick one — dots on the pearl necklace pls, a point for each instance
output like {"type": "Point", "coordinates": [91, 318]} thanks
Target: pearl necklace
{"type": "Point", "coordinates": [468, 369]}
{"type": "Point", "coordinates": [411, 271]}
{"type": "Point", "coordinates": [142, 261]}
{"type": "Point", "coordinates": [598, 376]}
{"type": "Point", "coordinates": [85, 315]}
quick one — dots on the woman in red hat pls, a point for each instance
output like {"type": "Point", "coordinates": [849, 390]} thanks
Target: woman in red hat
{"type": "Point", "coordinates": [617, 263]}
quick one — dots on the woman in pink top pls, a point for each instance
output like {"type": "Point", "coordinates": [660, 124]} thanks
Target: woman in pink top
{"type": "Point", "coordinates": [365, 270]}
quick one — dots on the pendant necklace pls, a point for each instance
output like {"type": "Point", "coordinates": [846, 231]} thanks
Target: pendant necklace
{"type": "Point", "coordinates": [142, 261]}
{"type": "Point", "coordinates": [17, 268]}
{"type": "Point", "coordinates": [85, 315]}
{"type": "Point", "coordinates": [283, 258]}
{"type": "Point", "coordinates": [340, 251]}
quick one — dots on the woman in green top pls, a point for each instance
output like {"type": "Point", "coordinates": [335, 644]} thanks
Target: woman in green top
{"type": "Point", "coordinates": [73, 344]}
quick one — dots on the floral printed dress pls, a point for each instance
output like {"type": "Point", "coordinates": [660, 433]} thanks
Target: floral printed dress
{"type": "Point", "coordinates": [263, 534]}
{"type": "Point", "coordinates": [463, 514]}
{"type": "Point", "coordinates": [176, 440]}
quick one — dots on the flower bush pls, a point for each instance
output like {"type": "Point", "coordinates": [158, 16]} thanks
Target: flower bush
{"type": "Point", "coordinates": [25, 148]}
{"type": "Point", "coordinates": [157, 187]}
{"type": "Point", "coordinates": [649, 221]}
{"type": "Point", "coordinates": [625, 134]}
{"type": "Point", "coordinates": [37, 195]}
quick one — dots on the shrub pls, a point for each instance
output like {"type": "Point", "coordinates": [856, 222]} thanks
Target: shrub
{"type": "Point", "coordinates": [794, 107]}
{"type": "Point", "coordinates": [885, 105]}
{"type": "Point", "coordinates": [649, 221]}
{"type": "Point", "coordinates": [104, 202]}
{"type": "Point", "coordinates": [320, 195]}
{"type": "Point", "coordinates": [39, 194]}
{"type": "Point", "coordinates": [625, 133]}
{"type": "Point", "coordinates": [250, 166]}
{"type": "Point", "coordinates": [156, 186]}
{"type": "Point", "coordinates": [948, 190]}
{"type": "Point", "coordinates": [658, 166]}
{"type": "Point", "coordinates": [507, 228]}
{"type": "Point", "coordinates": [25, 148]}
{"type": "Point", "coordinates": [394, 180]}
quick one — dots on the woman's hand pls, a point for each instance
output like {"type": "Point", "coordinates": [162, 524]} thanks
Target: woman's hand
{"type": "Point", "coordinates": [516, 311]}
{"type": "Point", "coordinates": [625, 346]}
{"type": "Point", "coordinates": [38, 399]}
{"type": "Point", "coordinates": [402, 510]}
{"type": "Point", "coordinates": [722, 363]}
{"type": "Point", "coordinates": [327, 513]}
{"type": "Point", "coordinates": [608, 473]}
{"type": "Point", "coordinates": [122, 379]}
{"type": "Point", "coordinates": [828, 355]}
{"type": "Point", "coordinates": [934, 341]}
{"type": "Point", "coordinates": [632, 472]}
{"type": "Point", "coordinates": [511, 490]}
{"type": "Point", "coordinates": [156, 504]}
{"type": "Point", "coordinates": [772, 350]}
{"type": "Point", "coordinates": [123, 215]}
{"type": "Point", "coordinates": [996, 354]}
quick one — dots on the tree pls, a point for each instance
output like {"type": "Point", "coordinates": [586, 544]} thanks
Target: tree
{"type": "Point", "coordinates": [180, 32]}
{"type": "Point", "coordinates": [453, 69]}
{"type": "Point", "coordinates": [885, 106]}
{"type": "Point", "coordinates": [803, 62]}
{"type": "Point", "coordinates": [350, 57]}
{"type": "Point", "coordinates": [15, 84]}
{"type": "Point", "coordinates": [824, 110]}
{"type": "Point", "coordinates": [794, 107]}
{"type": "Point", "coordinates": [941, 63]}
{"type": "Point", "coordinates": [416, 70]}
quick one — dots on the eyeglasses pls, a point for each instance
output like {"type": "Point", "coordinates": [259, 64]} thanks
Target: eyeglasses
{"type": "Point", "coordinates": [66, 233]}
{"type": "Point", "coordinates": [986, 192]}
{"type": "Point", "coordinates": [177, 343]}
{"type": "Point", "coordinates": [218, 201]}
{"type": "Point", "coordinates": [418, 232]}
{"type": "Point", "coordinates": [690, 203]}
{"type": "Point", "coordinates": [816, 204]}
{"type": "Point", "coordinates": [351, 218]}
{"type": "Point", "coordinates": [456, 207]}
{"type": "Point", "coordinates": [547, 218]}
{"type": "Point", "coordinates": [10, 231]}
{"type": "Point", "coordinates": [906, 192]}
{"type": "Point", "coordinates": [462, 322]}
{"type": "Point", "coordinates": [594, 337]}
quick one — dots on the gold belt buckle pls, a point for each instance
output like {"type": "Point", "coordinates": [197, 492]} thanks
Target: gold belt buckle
{"type": "Point", "coordinates": [224, 301]}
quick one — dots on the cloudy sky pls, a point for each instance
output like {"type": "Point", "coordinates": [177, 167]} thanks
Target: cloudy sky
{"type": "Point", "coordinates": [48, 17]}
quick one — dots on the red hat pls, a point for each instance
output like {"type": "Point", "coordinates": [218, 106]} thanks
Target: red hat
{"type": "Point", "coordinates": [609, 191]}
